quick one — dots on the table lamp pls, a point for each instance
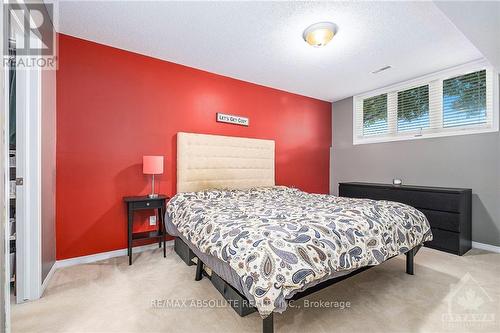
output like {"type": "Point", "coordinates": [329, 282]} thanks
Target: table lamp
{"type": "Point", "coordinates": [152, 165]}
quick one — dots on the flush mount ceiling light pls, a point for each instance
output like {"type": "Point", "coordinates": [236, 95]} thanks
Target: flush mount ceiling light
{"type": "Point", "coordinates": [319, 34]}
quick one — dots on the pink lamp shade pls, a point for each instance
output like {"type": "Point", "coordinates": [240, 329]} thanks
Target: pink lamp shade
{"type": "Point", "coordinates": [152, 165]}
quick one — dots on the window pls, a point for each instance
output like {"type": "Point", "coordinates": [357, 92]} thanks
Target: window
{"type": "Point", "coordinates": [375, 115]}
{"type": "Point", "coordinates": [462, 100]}
{"type": "Point", "coordinates": [413, 109]}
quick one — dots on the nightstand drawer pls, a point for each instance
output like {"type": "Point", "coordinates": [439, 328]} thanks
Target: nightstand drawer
{"type": "Point", "coordinates": [147, 204]}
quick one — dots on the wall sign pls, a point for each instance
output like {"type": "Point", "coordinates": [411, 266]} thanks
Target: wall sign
{"type": "Point", "coordinates": [232, 119]}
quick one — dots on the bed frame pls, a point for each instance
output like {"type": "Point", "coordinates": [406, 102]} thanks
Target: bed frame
{"type": "Point", "coordinates": [268, 322]}
{"type": "Point", "coordinates": [213, 161]}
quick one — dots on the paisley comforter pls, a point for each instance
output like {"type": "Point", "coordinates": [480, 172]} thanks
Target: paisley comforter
{"type": "Point", "coordinates": [279, 239]}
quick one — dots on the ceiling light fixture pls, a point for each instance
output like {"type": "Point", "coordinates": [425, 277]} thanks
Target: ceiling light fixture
{"type": "Point", "coordinates": [319, 34]}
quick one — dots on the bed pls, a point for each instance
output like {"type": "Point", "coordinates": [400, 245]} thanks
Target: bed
{"type": "Point", "coordinates": [274, 243]}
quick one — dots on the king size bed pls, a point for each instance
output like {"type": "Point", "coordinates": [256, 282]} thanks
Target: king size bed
{"type": "Point", "coordinates": [273, 244]}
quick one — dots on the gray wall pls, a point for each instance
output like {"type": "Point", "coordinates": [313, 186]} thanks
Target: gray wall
{"type": "Point", "coordinates": [470, 161]}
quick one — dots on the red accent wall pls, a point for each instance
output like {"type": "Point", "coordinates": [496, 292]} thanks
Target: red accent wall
{"type": "Point", "coordinates": [114, 106]}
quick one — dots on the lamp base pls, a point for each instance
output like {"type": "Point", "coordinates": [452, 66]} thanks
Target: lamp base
{"type": "Point", "coordinates": [153, 195]}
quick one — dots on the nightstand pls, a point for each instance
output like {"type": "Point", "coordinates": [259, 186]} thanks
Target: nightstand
{"type": "Point", "coordinates": [140, 203]}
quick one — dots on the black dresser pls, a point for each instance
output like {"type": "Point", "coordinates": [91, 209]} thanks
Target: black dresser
{"type": "Point", "coordinates": [447, 209]}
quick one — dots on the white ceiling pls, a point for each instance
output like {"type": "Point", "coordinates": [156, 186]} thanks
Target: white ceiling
{"type": "Point", "coordinates": [261, 42]}
{"type": "Point", "coordinates": [480, 22]}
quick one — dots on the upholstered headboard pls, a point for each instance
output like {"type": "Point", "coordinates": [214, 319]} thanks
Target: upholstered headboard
{"type": "Point", "coordinates": [214, 161]}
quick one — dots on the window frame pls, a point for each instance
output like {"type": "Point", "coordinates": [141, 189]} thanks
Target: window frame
{"type": "Point", "coordinates": [435, 81]}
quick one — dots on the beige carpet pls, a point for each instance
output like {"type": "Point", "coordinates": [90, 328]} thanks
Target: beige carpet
{"type": "Point", "coordinates": [110, 296]}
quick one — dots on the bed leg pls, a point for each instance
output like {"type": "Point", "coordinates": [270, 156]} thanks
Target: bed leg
{"type": "Point", "coordinates": [410, 255]}
{"type": "Point", "coordinates": [199, 270]}
{"type": "Point", "coordinates": [268, 324]}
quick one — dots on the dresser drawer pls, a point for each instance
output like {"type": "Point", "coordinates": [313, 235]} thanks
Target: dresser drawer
{"type": "Point", "coordinates": [146, 204]}
{"type": "Point", "coordinates": [443, 220]}
{"type": "Point", "coordinates": [446, 202]}
{"type": "Point", "coordinates": [445, 240]}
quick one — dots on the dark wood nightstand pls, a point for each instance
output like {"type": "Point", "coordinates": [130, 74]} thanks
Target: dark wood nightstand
{"type": "Point", "coordinates": [140, 203]}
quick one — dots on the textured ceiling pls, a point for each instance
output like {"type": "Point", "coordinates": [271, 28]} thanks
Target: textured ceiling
{"type": "Point", "coordinates": [480, 23]}
{"type": "Point", "coordinates": [261, 42]}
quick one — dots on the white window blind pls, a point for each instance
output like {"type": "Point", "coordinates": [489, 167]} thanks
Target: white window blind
{"type": "Point", "coordinates": [375, 115]}
{"type": "Point", "coordinates": [462, 100]}
{"type": "Point", "coordinates": [413, 109]}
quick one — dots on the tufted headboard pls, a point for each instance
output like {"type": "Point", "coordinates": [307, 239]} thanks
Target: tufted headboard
{"type": "Point", "coordinates": [214, 161]}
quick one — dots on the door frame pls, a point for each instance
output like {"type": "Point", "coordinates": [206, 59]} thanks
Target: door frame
{"type": "Point", "coordinates": [28, 166]}
{"type": "Point", "coordinates": [28, 195]}
{"type": "Point", "coordinates": [4, 194]}
{"type": "Point", "coordinates": [4, 199]}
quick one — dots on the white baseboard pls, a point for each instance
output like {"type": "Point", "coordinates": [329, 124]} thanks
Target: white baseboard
{"type": "Point", "coordinates": [47, 278]}
{"type": "Point", "coordinates": [486, 247]}
{"type": "Point", "coordinates": [106, 255]}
